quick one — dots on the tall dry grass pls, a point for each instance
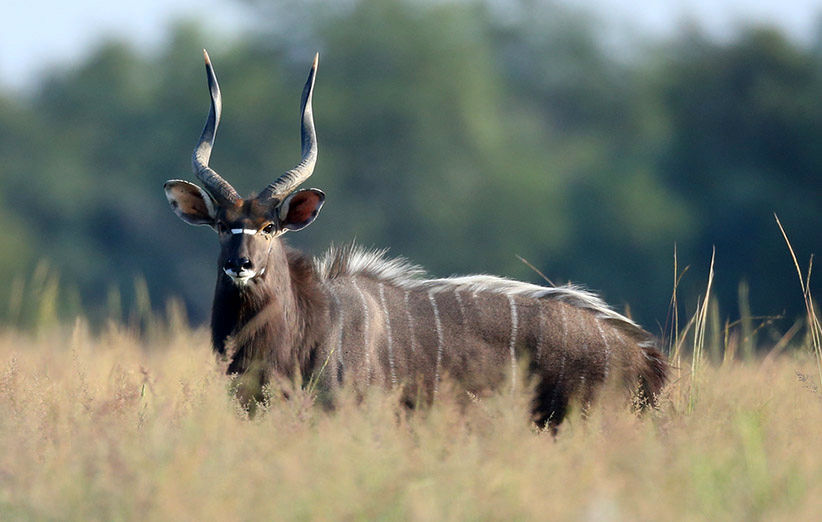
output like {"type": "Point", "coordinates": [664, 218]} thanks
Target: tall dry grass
{"type": "Point", "coordinates": [137, 423]}
{"type": "Point", "coordinates": [112, 427]}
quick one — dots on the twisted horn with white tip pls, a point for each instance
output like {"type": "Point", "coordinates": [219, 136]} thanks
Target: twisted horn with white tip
{"type": "Point", "coordinates": [288, 182]}
{"type": "Point", "coordinates": [219, 188]}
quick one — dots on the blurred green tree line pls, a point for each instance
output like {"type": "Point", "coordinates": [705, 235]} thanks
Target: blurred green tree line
{"type": "Point", "coordinates": [459, 134]}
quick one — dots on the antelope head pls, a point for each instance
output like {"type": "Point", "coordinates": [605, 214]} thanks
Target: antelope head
{"type": "Point", "coordinates": [248, 228]}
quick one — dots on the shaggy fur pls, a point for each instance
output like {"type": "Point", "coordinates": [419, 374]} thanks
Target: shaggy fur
{"type": "Point", "coordinates": [395, 327]}
{"type": "Point", "coordinates": [357, 317]}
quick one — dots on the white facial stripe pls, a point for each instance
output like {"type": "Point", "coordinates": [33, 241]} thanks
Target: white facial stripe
{"type": "Point", "coordinates": [249, 231]}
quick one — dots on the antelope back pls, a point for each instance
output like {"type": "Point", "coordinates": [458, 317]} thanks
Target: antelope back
{"type": "Point", "coordinates": [392, 327]}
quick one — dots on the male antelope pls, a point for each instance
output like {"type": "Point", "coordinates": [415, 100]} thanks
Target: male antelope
{"type": "Point", "coordinates": [355, 316]}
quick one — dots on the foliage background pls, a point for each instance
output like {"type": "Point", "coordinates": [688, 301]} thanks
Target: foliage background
{"type": "Point", "coordinates": [457, 133]}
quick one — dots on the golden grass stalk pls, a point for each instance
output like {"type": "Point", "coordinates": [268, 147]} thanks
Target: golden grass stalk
{"type": "Point", "coordinates": [700, 323]}
{"type": "Point", "coordinates": [813, 324]}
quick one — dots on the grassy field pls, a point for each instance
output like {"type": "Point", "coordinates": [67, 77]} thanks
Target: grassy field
{"type": "Point", "coordinates": [110, 427]}
{"type": "Point", "coordinates": [138, 422]}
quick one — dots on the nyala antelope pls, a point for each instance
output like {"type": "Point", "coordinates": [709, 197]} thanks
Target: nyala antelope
{"type": "Point", "coordinates": [354, 316]}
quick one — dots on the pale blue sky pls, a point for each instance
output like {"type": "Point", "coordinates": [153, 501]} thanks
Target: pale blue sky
{"type": "Point", "coordinates": [38, 33]}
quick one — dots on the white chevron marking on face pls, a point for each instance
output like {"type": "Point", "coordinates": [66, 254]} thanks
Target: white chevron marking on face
{"type": "Point", "coordinates": [249, 231]}
{"type": "Point", "coordinates": [242, 277]}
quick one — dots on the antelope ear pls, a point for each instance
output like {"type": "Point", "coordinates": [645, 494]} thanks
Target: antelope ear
{"type": "Point", "coordinates": [299, 209]}
{"type": "Point", "coordinates": [190, 202]}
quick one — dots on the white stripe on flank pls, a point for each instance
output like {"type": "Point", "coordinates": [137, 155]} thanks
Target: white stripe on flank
{"type": "Point", "coordinates": [249, 231]}
{"type": "Point", "coordinates": [564, 351]}
{"type": "Point", "coordinates": [564, 329]}
{"type": "Point", "coordinates": [340, 324]}
{"type": "Point", "coordinates": [540, 334]}
{"type": "Point", "coordinates": [365, 328]}
{"type": "Point", "coordinates": [410, 324]}
{"type": "Point", "coordinates": [388, 332]}
{"type": "Point", "coordinates": [458, 297]}
{"type": "Point", "coordinates": [512, 343]}
{"type": "Point", "coordinates": [463, 318]}
{"type": "Point", "coordinates": [607, 349]}
{"type": "Point", "coordinates": [438, 324]}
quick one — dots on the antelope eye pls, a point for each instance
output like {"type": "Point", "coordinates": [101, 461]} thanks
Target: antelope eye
{"type": "Point", "coordinates": [269, 229]}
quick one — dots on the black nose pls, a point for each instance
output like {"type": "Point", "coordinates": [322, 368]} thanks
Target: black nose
{"type": "Point", "coordinates": [238, 265]}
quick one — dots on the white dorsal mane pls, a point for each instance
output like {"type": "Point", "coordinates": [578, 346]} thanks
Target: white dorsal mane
{"type": "Point", "coordinates": [352, 260]}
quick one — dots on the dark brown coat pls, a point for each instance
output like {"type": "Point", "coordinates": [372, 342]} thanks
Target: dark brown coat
{"type": "Point", "coordinates": [362, 319]}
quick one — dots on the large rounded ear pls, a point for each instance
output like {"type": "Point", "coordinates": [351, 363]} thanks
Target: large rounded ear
{"type": "Point", "coordinates": [299, 209]}
{"type": "Point", "coordinates": [190, 202]}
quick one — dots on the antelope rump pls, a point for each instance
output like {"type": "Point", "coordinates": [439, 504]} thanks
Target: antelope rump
{"type": "Point", "coordinates": [357, 317]}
